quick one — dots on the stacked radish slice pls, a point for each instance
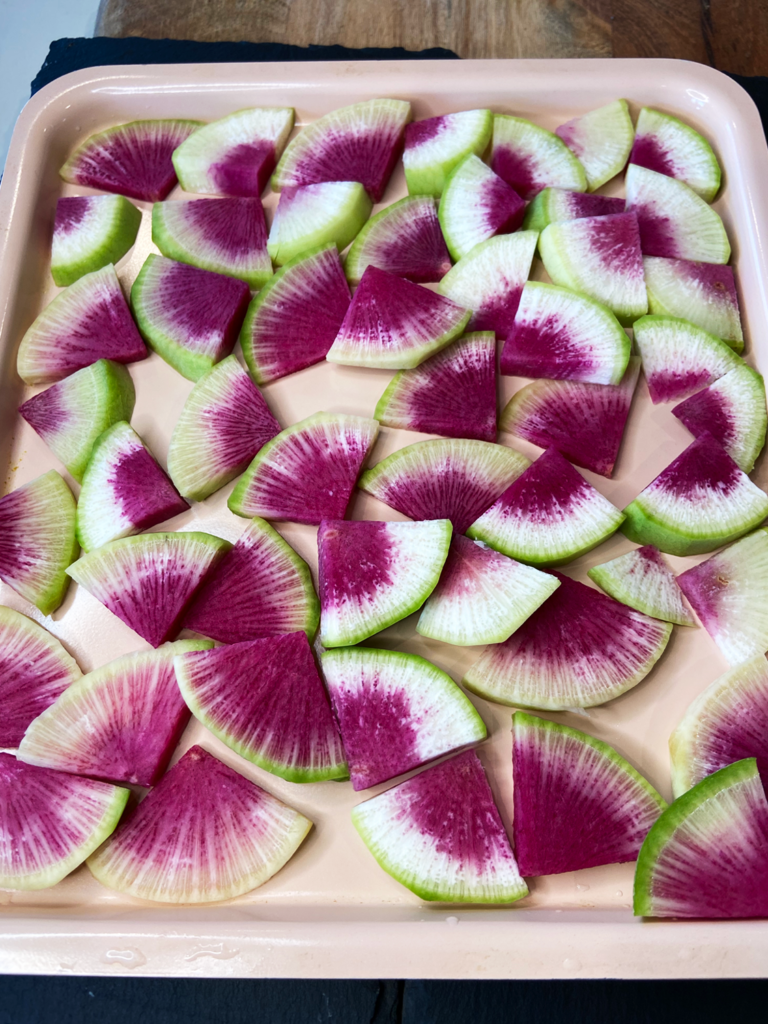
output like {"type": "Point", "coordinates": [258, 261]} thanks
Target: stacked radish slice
{"type": "Point", "coordinates": [427, 288]}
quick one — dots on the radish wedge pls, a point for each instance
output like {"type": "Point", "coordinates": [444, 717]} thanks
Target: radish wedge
{"type": "Point", "coordinates": [643, 580]}
{"type": "Point", "coordinates": [601, 139]}
{"type": "Point", "coordinates": [405, 239]}
{"type": "Point", "coordinates": [702, 293]}
{"type": "Point", "coordinates": [666, 144]}
{"type": "Point", "coordinates": [329, 213]}
{"type": "Point", "coordinates": [476, 204]}
{"type": "Point", "coordinates": [529, 158]}
{"type": "Point", "coordinates": [89, 233]}
{"type": "Point", "coordinates": [553, 204]}
{"type": "Point", "coordinates": [433, 147]}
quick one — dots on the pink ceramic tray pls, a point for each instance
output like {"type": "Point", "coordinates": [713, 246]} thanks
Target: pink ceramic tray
{"type": "Point", "coordinates": [331, 911]}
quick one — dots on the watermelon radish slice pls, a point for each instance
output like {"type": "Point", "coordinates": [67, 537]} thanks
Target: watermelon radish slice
{"type": "Point", "coordinates": [600, 257]}
{"type": "Point", "coordinates": [295, 318]}
{"type": "Point", "coordinates": [727, 722]}
{"type": "Point", "coordinates": [34, 670]}
{"type": "Point", "coordinates": [733, 411]}
{"type": "Point", "coordinates": [701, 501]}
{"type": "Point", "coordinates": [560, 335]}
{"type": "Point", "coordinates": [227, 236]}
{"type": "Point", "coordinates": [120, 723]}
{"type": "Point", "coordinates": [643, 580]}
{"type": "Point", "coordinates": [679, 358]}
{"type": "Point", "coordinates": [308, 472]}
{"type": "Point", "coordinates": [666, 144]}
{"type": "Point", "coordinates": [37, 540]}
{"type": "Point", "coordinates": [396, 712]}
{"type": "Point", "coordinates": [585, 422]}
{"type": "Point", "coordinates": [454, 479]}
{"type": "Point", "coordinates": [235, 155]}
{"type": "Point", "coordinates": [204, 833]}
{"type": "Point", "coordinates": [579, 650]}
{"type": "Point", "coordinates": [224, 423]}
{"type": "Point", "coordinates": [601, 139]}
{"type": "Point", "coordinates": [578, 803]}
{"type": "Point", "coordinates": [260, 588]}
{"type": "Point", "coordinates": [89, 233]}
{"type": "Point", "coordinates": [124, 490]}
{"type": "Point", "coordinates": [70, 415]}
{"type": "Point", "coordinates": [375, 574]}
{"type": "Point", "coordinates": [482, 596]}
{"type": "Point", "coordinates": [329, 213]}
{"type": "Point", "coordinates": [453, 393]}
{"type": "Point", "coordinates": [702, 293]}
{"type": "Point", "coordinates": [489, 280]}
{"type": "Point", "coordinates": [548, 516]}
{"type": "Point", "coordinates": [357, 143]}
{"type": "Point", "coordinates": [190, 317]}
{"type": "Point", "coordinates": [405, 239]}
{"type": "Point", "coordinates": [530, 158]}
{"type": "Point", "coordinates": [394, 324]}
{"type": "Point", "coordinates": [131, 159]}
{"type": "Point", "coordinates": [87, 322]}
{"type": "Point", "coordinates": [674, 221]}
{"type": "Point", "coordinates": [553, 204]}
{"type": "Point", "coordinates": [148, 581]}
{"type": "Point", "coordinates": [440, 835]}
{"type": "Point", "coordinates": [50, 822]}
{"type": "Point", "coordinates": [707, 855]}
{"type": "Point", "coordinates": [265, 700]}
{"type": "Point", "coordinates": [435, 146]}
{"type": "Point", "coordinates": [729, 593]}
{"type": "Point", "coordinates": [475, 205]}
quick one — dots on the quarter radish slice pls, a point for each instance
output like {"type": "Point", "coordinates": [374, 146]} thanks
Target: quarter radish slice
{"type": "Point", "coordinates": [440, 835]}
{"type": "Point", "coordinates": [148, 581]}
{"type": "Point", "coordinates": [666, 144]}
{"type": "Point", "coordinates": [707, 855]}
{"type": "Point", "coordinates": [396, 712]}
{"type": "Point", "coordinates": [702, 293]}
{"type": "Point", "coordinates": [489, 280]}
{"type": "Point", "coordinates": [121, 722]}
{"type": "Point", "coordinates": [674, 221]}
{"type": "Point", "coordinates": [295, 318]}
{"type": "Point", "coordinates": [643, 580]}
{"type": "Point", "coordinates": [124, 490]}
{"type": "Point", "coordinates": [394, 324]}
{"type": "Point", "coordinates": [308, 472]}
{"type": "Point", "coordinates": [204, 833]}
{"type": "Point", "coordinates": [579, 650]}
{"type": "Point", "coordinates": [729, 593]}
{"type": "Point", "coordinates": [260, 588]}
{"type": "Point", "coordinates": [405, 239]}
{"type": "Point", "coordinates": [308, 216]}
{"type": "Point", "coordinates": [265, 700]}
{"type": "Point", "coordinates": [72, 414]}
{"type": "Point", "coordinates": [553, 204]}
{"type": "Point", "coordinates": [600, 257]}
{"type": "Point", "coordinates": [50, 822]}
{"type": "Point", "coordinates": [190, 317]}
{"type": "Point", "coordinates": [548, 516]}
{"type": "Point", "coordinates": [133, 159]}
{"type": "Point", "coordinates": [701, 501]}
{"type": "Point", "coordinates": [375, 574]}
{"type": "Point", "coordinates": [585, 422]}
{"type": "Point", "coordinates": [227, 236]}
{"type": "Point", "coordinates": [34, 670]}
{"type": "Point", "coordinates": [224, 423]}
{"type": "Point", "coordinates": [601, 139]}
{"type": "Point", "coordinates": [235, 155]}
{"type": "Point", "coordinates": [454, 479]}
{"type": "Point", "coordinates": [453, 393]}
{"type": "Point", "coordinates": [560, 335]}
{"type": "Point", "coordinates": [529, 158]}
{"type": "Point", "coordinates": [37, 540]}
{"type": "Point", "coordinates": [475, 205]}
{"type": "Point", "coordinates": [482, 596]}
{"type": "Point", "coordinates": [88, 321]}
{"type": "Point", "coordinates": [433, 147]}
{"type": "Point", "coordinates": [733, 411]}
{"type": "Point", "coordinates": [90, 232]}
{"type": "Point", "coordinates": [578, 803]}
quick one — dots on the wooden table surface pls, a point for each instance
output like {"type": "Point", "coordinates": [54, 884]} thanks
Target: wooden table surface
{"type": "Point", "coordinates": [731, 35]}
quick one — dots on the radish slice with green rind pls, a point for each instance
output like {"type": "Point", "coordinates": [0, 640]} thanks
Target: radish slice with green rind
{"type": "Point", "coordinates": [553, 204]}
{"type": "Point", "coordinates": [702, 293]}
{"type": "Point", "coordinates": [329, 213]}
{"type": "Point", "coordinates": [601, 139]}
{"type": "Point", "coordinates": [643, 580]}
{"type": "Point", "coordinates": [665, 144]}
{"type": "Point", "coordinates": [90, 232]}
{"type": "Point", "coordinates": [529, 158]}
{"type": "Point", "coordinates": [475, 205]}
{"type": "Point", "coordinates": [433, 147]}
{"type": "Point", "coordinates": [404, 239]}
{"type": "Point", "coordinates": [440, 835]}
